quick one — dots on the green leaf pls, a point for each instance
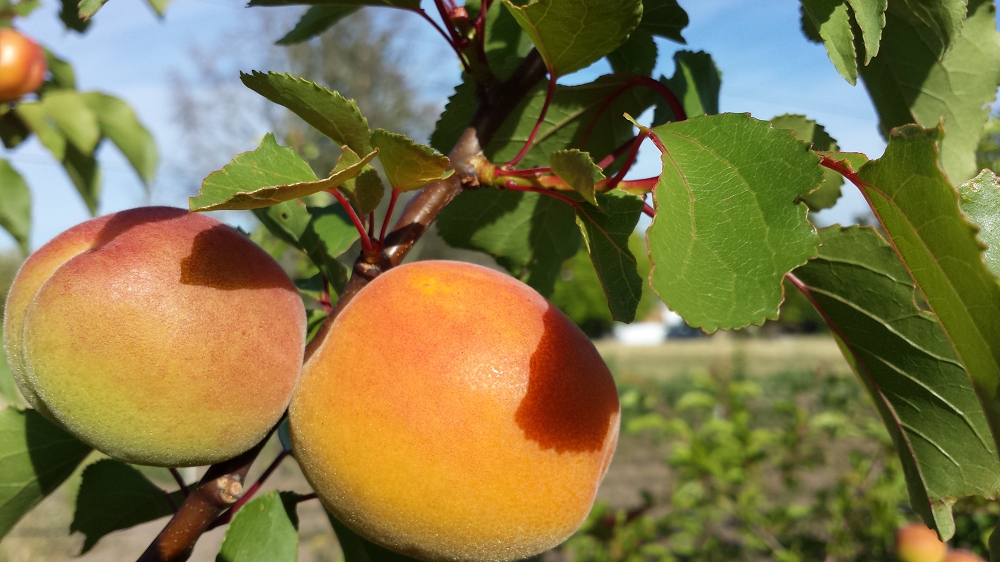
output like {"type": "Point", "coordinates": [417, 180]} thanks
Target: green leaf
{"type": "Point", "coordinates": [806, 130]}
{"type": "Point", "coordinates": [359, 549]}
{"type": "Point", "coordinates": [24, 8]}
{"type": "Point", "coordinates": [831, 18]}
{"type": "Point", "coordinates": [635, 56]}
{"type": "Point", "coordinates": [159, 6]}
{"type": "Point", "coordinates": [664, 18]}
{"type": "Point", "coordinates": [316, 20]}
{"type": "Point", "coordinates": [980, 201]}
{"type": "Point", "coordinates": [727, 226]}
{"type": "Point", "coordinates": [572, 34]}
{"type": "Point", "coordinates": [13, 129]}
{"type": "Point", "coordinates": [70, 112]}
{"type": "Point", "coordinates": [329, 112]}
{"type": "Point", "coordinates": [870, 17]}
{"type": "Point", "coordinates": [85, 174]}
{"type": "Point", "coordinates": [606, 232]}
{"type": "Point", "coordinates": [266, 529]}
{"type": "Point", "coordinates": [115, 496]}
{"type": "Point", "coordinates": [267, 176]}
{"type": "Point", "coordinates": [119, 123]}
{"type": "Point", "coordinates": [920, 213]}
{"type": "Point", "coordinates": [504, 43]}
{"type": "Point", "coordinates": [943, 18]}
{"type": "Point", "coordinates": [69, 13]}
{"type": "Point", "coordinates": [578, 170]}
{"type": "Point", "coordinates": [32, 114]}
{"type": "Point", "coordinates": [15, 205]}
{"type": "Point", "coordinates": [365, 191]}
{"type": "Point", "coordinates": [529, 234]}
{"type": "Point", "coordinates": [409, 165]}
{"type": "Point", "coordinates": [404, 4]}
{"type": "Point", "coordinates": [919, 78]}
{"type": "Point", "coordinates": [322, 233]}
{"type": "Point", "coordinates": [907, 365]}
{"type": "Point", "coordinates": [696, 83]}
{"type": "Point", "coordinates": [62, 74]}
{"type": "Point", "coordinates": [10, 395]}
{"type": "Point", "coordinates": [35, 458]}
{"type": "Point", "coordinates": [88, 8]}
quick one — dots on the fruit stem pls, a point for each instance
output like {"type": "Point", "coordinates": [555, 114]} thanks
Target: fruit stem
{"type": "Point", "coordinates": [248, 495]}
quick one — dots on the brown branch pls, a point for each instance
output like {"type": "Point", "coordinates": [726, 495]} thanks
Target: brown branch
{"type": "Point", "coordinates": [222, 485]}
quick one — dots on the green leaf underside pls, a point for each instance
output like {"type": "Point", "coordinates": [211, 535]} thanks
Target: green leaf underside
{"type": "Point", "coordinates": [263, 530]}
{"type": "Point", "coordinates": [62, 73]}
{"type": "Point", "coordinates": [920, 213]}
{"type": "Point", "coordinates": [365, 191]}
{"type": "Point", "coordinates": [35, 458]}
{"type": "Point", "coordinates": [806, 130]}
{"type": "Point", "coordinates": [329, 112]}
{"type": "Point", "coordinates": [119, 123]}
{"type": "Point", "coordinates": [69, 111]}
{"type": "Point", "coordinates": [572, 34]}
{"type": "Point", "coordinates": [359, 549]}
{"type": "Point", "coordinates": [69, 14]}
{"type": "Point", "coordinates": [408, 165]}
{"type": "Point", "coordinates": [943, 17]}
{"type": "Point", "coordinates": [663, 18]}
{"type": "Point", "coordinates": [570, 114]}
{"type": "Point", "coordinates": [15, 205]}
{"type": "Point", "coordinates": [322, 233]}
{"type": "Point", "coordinates": [727, 226]}
{"type": "Point", "coordinates": [917, 78]}
{"type": "Point", "coordinates": [530, 234]}
{"type": "Point", "coordinates": [870, 17]}
{"type": "Point", "coordinates": [267, 176]}
{"type": "Point", "coordinates": [907, 365]}
{"type": "Point", "coordinates": [606, 232]}
{"type": "Point", "coordinates": [696, 83]}
{"type": "Point", "coordinates": [980, 201]}
{"type": "Point", "coordinates": [578, 170]}
{"type": "Point", "coordinates": [315, 21]}
{"type": "Point", "coordinates": [637, 55]}
{"type": "Point", "coordinates": [90, 7]}
{"type": "Point", "coordinates": [832, 20]}
{"type": "Point", "coordinates": [115, 496]}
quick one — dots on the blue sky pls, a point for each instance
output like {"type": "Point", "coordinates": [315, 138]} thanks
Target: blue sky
{"type": "Point", "coordinates": [768, 69]}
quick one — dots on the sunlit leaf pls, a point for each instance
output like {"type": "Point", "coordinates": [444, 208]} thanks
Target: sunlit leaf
{"type": "Point", "coordinates": [119, 123]}
{"type": "Point", "coordinates": [266, 529]}
{"type": "Point", "coordinates": [408, 165]}
{"type": "Point", "coordinates": [15, 205]}
{"type": "Point", "coordinates": [727, 226]}
{"type": "Point", "coordinates": [807, 130]}
{"type": "Point", "coordinates": [578, 170]}
{"type": "Point", "coordinates": [316, 20]}
{"type": "Point", "coordinates": [980, 201]}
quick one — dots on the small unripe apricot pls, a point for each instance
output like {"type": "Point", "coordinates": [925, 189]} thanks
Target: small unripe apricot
{"type": "Point", "coordinates": [156, 336]}
{"type": "Point", "coordinates": [451, 413]}
{"type": "Point", "coordinates": [917, 543]}
{"type": "Point", "coordinates": [22, 65]}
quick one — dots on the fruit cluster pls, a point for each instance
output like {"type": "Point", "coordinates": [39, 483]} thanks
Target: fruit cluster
{"type": "Point", "coordinates": [448, 412]}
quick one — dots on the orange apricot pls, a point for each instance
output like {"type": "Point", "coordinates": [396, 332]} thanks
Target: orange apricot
{"type": "Point", "coordinates": [917, 543]}
{"type": "Point", "coordinates": [156, 336]}
{"type": "Point", "coordinates": [22, 65]}
{"type": "Point", "coordinates": [451, 413]}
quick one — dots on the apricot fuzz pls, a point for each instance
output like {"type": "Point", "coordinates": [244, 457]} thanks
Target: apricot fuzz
{"type": "Point", "coordinates": [451, 413]}
{"type": "Point", "coordinates": [156, 336]}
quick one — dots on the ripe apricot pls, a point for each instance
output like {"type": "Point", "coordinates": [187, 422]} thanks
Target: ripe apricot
{"type": "Point", "coordinates": [451, 413]}
{"type": "Point", "coordinates": [22, 65]}
{"type": "Point", "coordinates": [963, 556]}
{"type": "Point", "coordinates": [917, 543]}
{"type": "Point", "coordinates": [156, 336]}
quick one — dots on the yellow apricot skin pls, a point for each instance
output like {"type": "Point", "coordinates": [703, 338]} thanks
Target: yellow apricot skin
{"type": "Point", "coordinates": [156, 336]}
{"type": "Point", "coordinates": [451, 413]}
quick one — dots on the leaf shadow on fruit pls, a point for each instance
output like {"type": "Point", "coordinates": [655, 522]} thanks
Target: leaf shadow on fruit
{"type": "Point", "coordinates": [569, 405]}
{"type": "Point", "coordinates": [215, 262]}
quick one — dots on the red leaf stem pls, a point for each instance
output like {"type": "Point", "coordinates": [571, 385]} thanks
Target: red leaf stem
{"type": "Point", "coordinates": [388, 215]}
{"type": "Point", "coordinates": [645, 184]}
{"type": "Point", "coordinates": [371, 225]}
{"type": "Point", "coordinates": [514, 187]}
{"type": "Point", "coordinates": [610, 158]}
{"type": "Point", "coordinates": [454, 47]}
{"type": "Point", "coordinates": [629, 160]}
{"type": "Point", "coordinates": [530, 172]}
{"type": "Point", "coordinates": [248, 495]}
{"type": "Point", "coordinates": [538, 124]}
{"type": "Point", "coordinates": [649, 211]}
{"type": "Point", "coordinates": [366, 242]}
{"type": "Point", "coordinates": [180, 482]}
{"type": "Point", "coordinates": [655, 85]}
{"type": "Point", "coordinates": [446, 19]}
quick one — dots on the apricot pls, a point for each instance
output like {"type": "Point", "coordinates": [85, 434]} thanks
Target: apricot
{"type": "Point", "coordinates": [156, 336]}
{"type": "Point", "coordinates": [963, 556]}
{"type": "Point", "coordinates": [917, 543]}
{"type": "Point", "coordinates": [451, 413]}
{"type": "Point", "coordinates": [22, 65]}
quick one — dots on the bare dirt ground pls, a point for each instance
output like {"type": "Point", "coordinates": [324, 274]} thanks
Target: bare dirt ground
{"type": "Point", "coordinates": [43, 535]}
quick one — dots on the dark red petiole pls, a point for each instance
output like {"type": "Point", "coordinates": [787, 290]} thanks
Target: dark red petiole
{"type": "Point", "coordinates": [514, 187]}
{"type": "Point", "coordinates": [538, 124]}
{"type": "Point", "coordinates": [366, 242]}
{"type": "Point", "coordinates": [388, 214]}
